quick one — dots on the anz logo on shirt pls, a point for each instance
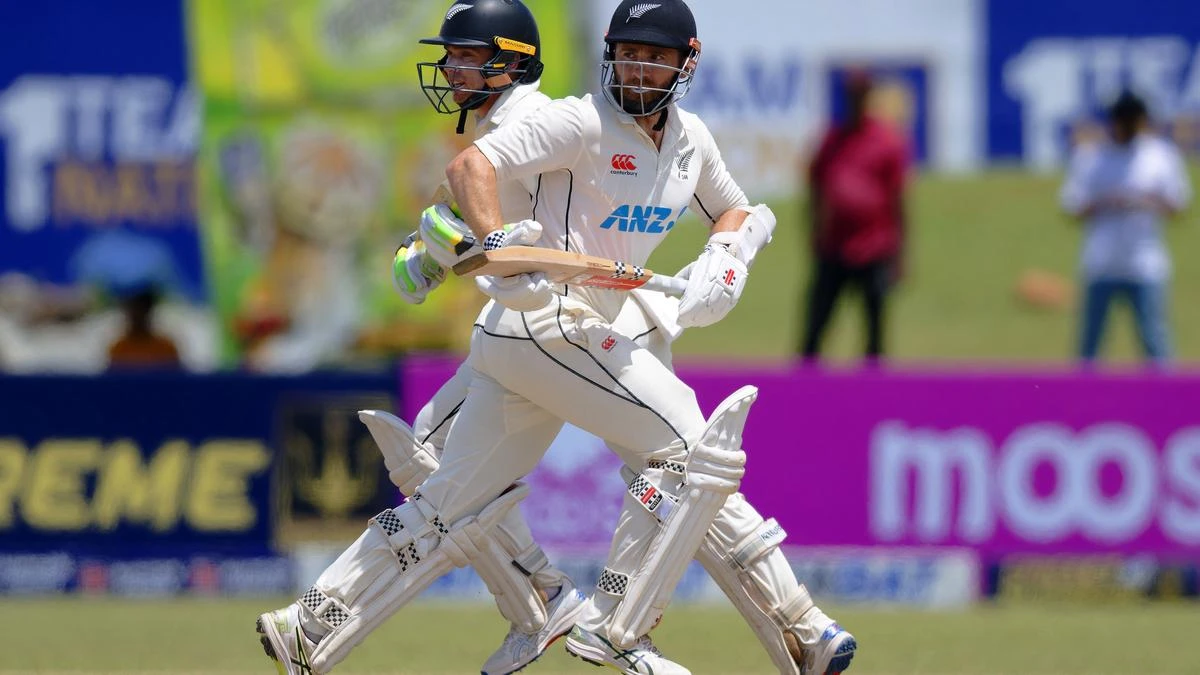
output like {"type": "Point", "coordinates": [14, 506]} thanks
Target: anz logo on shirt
{"type": "Point", "coordinates": [637, 218]}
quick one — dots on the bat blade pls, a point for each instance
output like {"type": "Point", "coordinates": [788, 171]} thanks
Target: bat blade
{"type": "Point", "coordinates": [565, 267]}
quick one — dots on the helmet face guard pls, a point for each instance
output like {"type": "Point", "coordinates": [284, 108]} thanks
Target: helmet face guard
{"type": "Point", "coordinates": [512, 63]}
{"type": "Point", "coordinates": [639, 100]}
{"type": "Point", "coordinates": [504, 27]}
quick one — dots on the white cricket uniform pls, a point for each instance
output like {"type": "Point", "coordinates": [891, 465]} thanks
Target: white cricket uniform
{"type": "Point", "coordinates": [650, 321]}
{"type": "Point", "coordinates": [600, 187]}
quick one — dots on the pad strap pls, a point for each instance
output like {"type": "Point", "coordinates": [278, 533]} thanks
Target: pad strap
{"type": "Point", "coordinates": [765, 538]}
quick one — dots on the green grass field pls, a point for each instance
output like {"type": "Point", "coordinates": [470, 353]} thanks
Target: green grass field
{"type": "Point", "coordinates": [971, 238]}
{"type": "Point", "coordinates": [216, 636]}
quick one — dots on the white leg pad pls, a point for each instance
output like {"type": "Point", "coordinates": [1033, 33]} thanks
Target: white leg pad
{"type": "Point", "coordinates": [401, 553]}
{"type": "Point", "coordinates": [753, 574]}
{"type": "Point", "coordinates": [758, 580]}
{"type": "Point", "coordinates": [515, 594]}
{"type": "Point", "coordinates": [409, 462]}
{"type": "Point", "coordinates": [713, 471]}
{"type": "Point", "coordinates": [508, 563]}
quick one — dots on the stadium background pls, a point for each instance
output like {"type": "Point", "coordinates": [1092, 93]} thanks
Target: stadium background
{"type": "Point", "coordinates": [996, 510]}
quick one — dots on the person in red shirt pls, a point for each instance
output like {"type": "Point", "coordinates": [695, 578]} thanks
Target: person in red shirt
{"type": "Point", "coordinates": [856, 204]}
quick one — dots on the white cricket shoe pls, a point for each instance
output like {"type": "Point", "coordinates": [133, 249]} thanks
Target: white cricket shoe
{"type": "Point", "coordinates": [643, 659]}
{"type": "Point", "coordinates": [285, 642]}
{"type": "Point", "coordinates": [832, 653]}
{"type": "Point", "coordinates": [521, 649]}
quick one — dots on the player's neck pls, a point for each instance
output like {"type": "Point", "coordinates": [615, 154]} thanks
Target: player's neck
{"type": "Point", "coordinates": [650, 125]}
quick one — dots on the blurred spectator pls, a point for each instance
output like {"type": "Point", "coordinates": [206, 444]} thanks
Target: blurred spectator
{"type": "Point", "coordinates": [1122, 189]}
{"type": "Point", "coordinates": [856, 208]}
{"type": "Point", "coordinates": [139, 347]}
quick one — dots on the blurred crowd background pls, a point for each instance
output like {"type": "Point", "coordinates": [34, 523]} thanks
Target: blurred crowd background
{"type": "Point", "coordinates": [243, 171]}
{"type": "Point", "coordinates": [200, 201]}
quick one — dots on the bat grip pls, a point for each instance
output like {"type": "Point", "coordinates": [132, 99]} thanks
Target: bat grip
{"type": "Point", "coordinates": [666, 284]}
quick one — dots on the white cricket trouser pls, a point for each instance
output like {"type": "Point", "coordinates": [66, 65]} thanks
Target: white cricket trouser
{"type": "Point", "coordinates": [532, 371]}
{"type": "Point", "coordinates": [433, 422]}
{"type": "Point", "coordinates": [527, 373]}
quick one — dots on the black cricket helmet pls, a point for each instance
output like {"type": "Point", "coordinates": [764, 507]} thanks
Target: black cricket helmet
{"type": "Point", "coordinates": [507, 27]}
{"type": "Point", "coordinates": [662, 23]}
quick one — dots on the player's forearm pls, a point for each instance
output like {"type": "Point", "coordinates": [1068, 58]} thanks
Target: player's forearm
{"type": "Point", "coordinates": [730, 221]}
{"type": "Point", "coordinates": [473, 181]}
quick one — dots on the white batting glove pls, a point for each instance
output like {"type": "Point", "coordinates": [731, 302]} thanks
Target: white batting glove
{"type": "Point", "coordinates": [414, 272]}
{"type": "Point", "coordinates": [520, 292]}
{"type": "Point", "coordinates": [715, 283]}
{"type": "Point", "coordinates": [449, 239]}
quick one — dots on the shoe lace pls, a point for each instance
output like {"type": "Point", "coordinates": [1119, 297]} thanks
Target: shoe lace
{"type": "Point", "coordinates": [647, 644]}
{"type": "Point", "coordinates": [517, 642]}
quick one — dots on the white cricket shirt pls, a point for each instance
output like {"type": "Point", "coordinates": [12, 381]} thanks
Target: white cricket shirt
{"type": "Point", "coordinates": [1128, 244]}
{"type": "Point", "coordinates": [516, 203]}
{"type": "Point", "coordinates": [600, 186]}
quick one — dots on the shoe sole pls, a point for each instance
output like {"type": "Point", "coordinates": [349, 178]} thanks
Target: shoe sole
{"type": "Point", "coordinates": [842, 657]}
{"type": "Point", "coordinates": [589, 655]}
{"type": "Point", "coordinates": [266, 631]}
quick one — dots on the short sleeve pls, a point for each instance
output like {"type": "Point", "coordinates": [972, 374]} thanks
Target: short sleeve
{"type": "Point", "coordinates": [550, 139]}
{"type": "Point", "coordinates": [1176, 187]}
{"type": "Point", "coordinates": [716, 190]}
{"type": "Point", "coordinates": [1076, 190]}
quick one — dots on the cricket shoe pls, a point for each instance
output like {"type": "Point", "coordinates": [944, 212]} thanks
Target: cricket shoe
{"type": "Point", "coordinates": [832, 653]}
{"type": "Point", "coordinates": [285, 642]}
{"type": "Point", "coordinates": [521, 649]}
{"type": "Point", "coordinates": [643, 659]}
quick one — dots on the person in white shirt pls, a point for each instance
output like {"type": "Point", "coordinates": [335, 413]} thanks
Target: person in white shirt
{"type": "Point", "coordinates": [606, 180]}
{"type": "Point", "coordinates": [1123, 190]}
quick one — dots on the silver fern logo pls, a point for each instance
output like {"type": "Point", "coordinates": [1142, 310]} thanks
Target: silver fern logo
{"type": "Point", "coordinates": [456, 8]}
{"type": "Point", "coordinates": [638, 11]}
{"type": "Point", "coordinates": [684, 161]}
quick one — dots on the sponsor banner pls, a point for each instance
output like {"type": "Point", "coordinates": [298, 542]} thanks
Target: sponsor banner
{"type": "Point", "coordinates": [1090, 578]}
{"type": "Point", "coordinates": [1053, 66]}
{"type": "Point", "coordinates": [764, 89]}
{"type": "Point", "coordinates": [97, 138]}
{"type": "Point", "coordinates": [318, 152]}
{"type": "Point", "coordinates": [927, 577]}
{"type": "Point", "coordinates": [169, 465]}
{"type": "Point", "coordinates": [1000, 463]}
{"type": "Point", "coordinates": [36, 574]}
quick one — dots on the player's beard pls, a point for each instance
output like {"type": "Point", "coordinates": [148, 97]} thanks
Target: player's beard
{"type": "Point", "coordinates": [636, 105]}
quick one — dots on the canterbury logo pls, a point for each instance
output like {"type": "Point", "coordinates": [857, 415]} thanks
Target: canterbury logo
{"type": "Point", "coordinates": [624, 162]}
{"type": "Point", "coordinates": [637, 11]}
{"type": "Point", "coordinates": [685, 160]}
{"type": "Point", "coordinates": [455, 9]}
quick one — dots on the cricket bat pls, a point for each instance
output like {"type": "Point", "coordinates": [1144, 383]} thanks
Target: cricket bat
{"type": "Point", "coordinates": [565, 267]}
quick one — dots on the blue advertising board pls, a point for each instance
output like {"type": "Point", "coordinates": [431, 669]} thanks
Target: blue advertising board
{"type": "Point", "coordinates": [169, 465]}
{"type": "Point", "coordinates": [1051, 64]}
{"type": "Point", "coordinates": [98, 134]}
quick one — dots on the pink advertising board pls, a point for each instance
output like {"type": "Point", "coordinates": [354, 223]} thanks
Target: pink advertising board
{"type": "Point", "coordinates": [1002, 463]}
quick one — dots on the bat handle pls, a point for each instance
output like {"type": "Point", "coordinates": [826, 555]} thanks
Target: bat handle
{"type": "Point", "coordinates": [666, 284]}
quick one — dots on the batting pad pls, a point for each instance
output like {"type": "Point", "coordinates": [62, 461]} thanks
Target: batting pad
{"type": "Point", "coordinates": [409, 462]}
{"type": "Point", "coordinates": [401, 553]}
{"type": "Point", "coordinates": [756, 577]}
{"type": "Point", "coordinates": [714, 471]}
{"type": "Point", "coordinates": [507, 562]}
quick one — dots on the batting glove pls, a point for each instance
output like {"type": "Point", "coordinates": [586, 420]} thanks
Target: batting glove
{"type": "Point", "coordinates": [449, 239]}
{"type": "Point", "coordinates": [521, 292]}
{"type": "Point", "coordinates": [414, 272]}
{"type": "Point", "coordinates": [715, 283]}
